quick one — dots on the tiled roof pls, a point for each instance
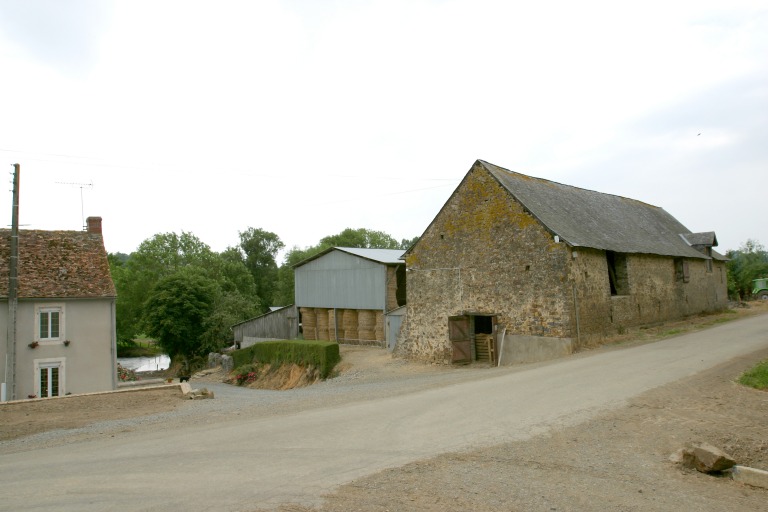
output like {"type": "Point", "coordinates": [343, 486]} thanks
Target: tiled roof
{"type": "Point", "coordinates": [585, 218]}
{"type": "Point", "coordinates": [57, 264]}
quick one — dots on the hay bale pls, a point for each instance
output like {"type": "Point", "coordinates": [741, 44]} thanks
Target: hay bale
{"type": "Point", "coordinates": [366, 325]}
{"type": "Point", "coordinates": [332, 334]}
{"type": "Point", "coordinates": [379, 330]}
{"type": "Point", "coordinates": [309, 323]}
{"type": "Point", "coordinates": [350, 324]}
{"type": "Point", "coordinates": [322, 323]}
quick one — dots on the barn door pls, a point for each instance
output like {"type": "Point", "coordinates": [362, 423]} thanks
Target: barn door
{"type": "Point", "coordinates": [460, 335]}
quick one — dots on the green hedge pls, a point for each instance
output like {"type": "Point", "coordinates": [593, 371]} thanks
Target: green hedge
{"type": "Point", "coordinates": [322, 354]}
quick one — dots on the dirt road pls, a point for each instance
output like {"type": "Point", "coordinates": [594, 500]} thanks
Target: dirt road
{"type": "Point", "coordinates": [294, 455]}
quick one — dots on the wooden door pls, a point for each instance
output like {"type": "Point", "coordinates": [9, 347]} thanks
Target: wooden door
{"type": "Point", "coordinates": [460, 335]}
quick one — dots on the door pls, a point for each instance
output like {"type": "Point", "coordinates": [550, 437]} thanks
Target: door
{"type": "Point", "coordinates": [49, 377]}
{"type": "Point", "coordinates": [460, 335]}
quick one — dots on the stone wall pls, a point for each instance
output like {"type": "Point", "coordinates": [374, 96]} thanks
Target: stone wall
{"type": "Point", "coordinates": [484, 253]}
{"type": "Point", "coordinates": [657, 292]}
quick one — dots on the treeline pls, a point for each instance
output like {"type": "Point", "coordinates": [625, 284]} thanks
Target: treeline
{"type": "Point", "coordinates": [175, 289]}
{"type": "Point", "coordinates": [746, 264]}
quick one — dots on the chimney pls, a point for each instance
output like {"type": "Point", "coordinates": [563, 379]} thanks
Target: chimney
{"type": "Point", "coordinates": [94, 225]}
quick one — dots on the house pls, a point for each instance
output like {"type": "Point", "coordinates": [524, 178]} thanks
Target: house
{"type": "Point", "coordinates": [65, 316]}
{"type": "Point", "coordinates": [521, 269]}
{"type": "Point", "coordinates": [344, 293]}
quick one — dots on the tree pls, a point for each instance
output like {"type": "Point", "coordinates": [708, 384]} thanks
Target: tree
{"type": "Point", "coordinates": [362, 238]}
{"type": "Point", "coordinates": [167, 253]}
{"type": "Point", "coordinates": [259, 250]}
{"type": "Point", "coordinates": [177, 311]}
{"type": "Point", "coordinates": [747, 263]}
{"type": "Point", "coordinates": [407, 243]}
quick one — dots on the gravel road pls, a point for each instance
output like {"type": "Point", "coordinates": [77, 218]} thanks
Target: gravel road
{"type": "Point", "coordinates": [591, 432]}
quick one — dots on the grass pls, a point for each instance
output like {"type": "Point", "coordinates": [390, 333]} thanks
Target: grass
{"type": "Point", "coordinates": [757, 377]}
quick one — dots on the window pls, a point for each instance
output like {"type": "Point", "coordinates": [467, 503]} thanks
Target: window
{"type": "Point", "coordinates": [618, 275]}
{"type": "Point", "coordinates": [682, 272]}
{"type": "Point", "coordinates": [49, 377]}
{"type": "Point", "coordinates": [50, 323]}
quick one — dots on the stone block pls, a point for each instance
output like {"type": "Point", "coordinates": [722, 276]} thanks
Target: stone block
{"type": "Point", "coordinates": [706, 458]}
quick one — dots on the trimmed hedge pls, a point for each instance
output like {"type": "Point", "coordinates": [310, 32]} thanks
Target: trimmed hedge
{"type": "Point", "coordinates": [322, 354]}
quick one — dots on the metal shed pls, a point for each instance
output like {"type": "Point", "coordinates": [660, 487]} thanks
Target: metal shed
{"type": "Point", "coordinates": [343, 293]}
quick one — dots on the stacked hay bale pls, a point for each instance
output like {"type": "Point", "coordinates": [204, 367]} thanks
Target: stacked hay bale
{"type": "Point", "coordinates": [391, 288]}
{"type": "Point", "coordinates": [332, 325]}
{"type": "Point", "coordinates": [322, 323]}
{"type": "Point", "coordinates": [366, 325]}
{"type": "Point", "coordinates": [309, 323]}
{"type": "Point", "coordinates": [350, 325]}
{"type": "Point", "coordinates": [380, 326]}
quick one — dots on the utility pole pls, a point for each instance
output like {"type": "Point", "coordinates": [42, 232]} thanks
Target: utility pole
{"type": "Point", "coordinates": [13, 299]}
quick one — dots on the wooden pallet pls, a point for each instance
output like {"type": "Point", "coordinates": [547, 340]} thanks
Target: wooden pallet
{"type": "Point", "coordinates": [484, 348]}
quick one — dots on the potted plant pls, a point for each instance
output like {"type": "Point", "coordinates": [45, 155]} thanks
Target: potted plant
{"type": "Point", "coordinates": [34, 344]}
{"type": "Point", "coordinates": [66, 343]}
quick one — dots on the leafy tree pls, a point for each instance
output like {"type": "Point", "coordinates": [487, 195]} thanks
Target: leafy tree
{"type": "Point", "coordinates": [407, 243]}
{"type": "Point", "coordinates": [747, 263]}
{"type": "Point", "coordinates": [177, 312]}
{"type": "Point", "coordinates": [164, 255]}
{"type": "Point", "coordinates": [259, 249]}
{"type": "Point", "coordinates": [363, 238]}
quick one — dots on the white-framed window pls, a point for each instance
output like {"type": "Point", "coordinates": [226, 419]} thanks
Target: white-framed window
{"type": "Point", "coordinates": [50, 377]}
{"type": "Point", "coordinates": [49, 322]}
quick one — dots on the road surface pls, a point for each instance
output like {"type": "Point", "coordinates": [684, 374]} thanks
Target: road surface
{"type": "Point", "coordinates": [244, 463]}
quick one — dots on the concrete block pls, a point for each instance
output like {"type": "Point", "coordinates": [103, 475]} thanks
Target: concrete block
{"type": "Point", "coordinates": [750, 476]}
{"type": "Point", "coordinates": [185, 388]}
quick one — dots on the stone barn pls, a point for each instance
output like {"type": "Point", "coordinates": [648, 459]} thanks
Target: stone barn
{"type": "Point", "coordinates": [343, 294]}
{"type": "Point", "coordinates": [520, 269]}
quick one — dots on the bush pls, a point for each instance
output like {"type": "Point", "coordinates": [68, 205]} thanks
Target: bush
{"type": "Point", "coordinates": [757, 377]}
{"type": "Point", "coordinates": [321, 354]}
{"type": "Point", "coordinates": [125, 374]}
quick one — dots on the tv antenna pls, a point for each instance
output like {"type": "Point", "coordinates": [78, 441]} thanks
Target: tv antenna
{"type": "Point", "coordinates": [82, 186]}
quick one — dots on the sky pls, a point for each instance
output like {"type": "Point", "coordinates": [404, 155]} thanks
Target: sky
{"type": "Point", "coordinates": [306, 117]}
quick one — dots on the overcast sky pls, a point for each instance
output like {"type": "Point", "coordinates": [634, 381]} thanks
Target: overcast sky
{"type": "Point", "coordinates": [305, 117]}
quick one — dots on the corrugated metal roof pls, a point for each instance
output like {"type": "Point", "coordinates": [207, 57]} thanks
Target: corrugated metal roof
{"type": "Point", "coordinates": [384, 256]}
{"type": "Point", "coordinates": [585, 218]}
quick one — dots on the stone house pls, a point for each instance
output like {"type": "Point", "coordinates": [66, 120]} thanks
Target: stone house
{"type": "Point", "coordinates": [524, 269]}
{"type": "Point", "coordinates": [65, 314]}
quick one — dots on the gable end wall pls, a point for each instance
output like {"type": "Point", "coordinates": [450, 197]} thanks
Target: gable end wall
{"type": "Point", "coordinates": [484, 253]}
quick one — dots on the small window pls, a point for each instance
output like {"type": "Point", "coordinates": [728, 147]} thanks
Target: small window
{"type": "Point", "coordinates": [618, 275]}
{"type": "Point", "coordinates": [50, 323]}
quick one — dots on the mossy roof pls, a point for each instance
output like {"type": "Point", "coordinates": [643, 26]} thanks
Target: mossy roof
{"type": "Point", "coordinates": [585, 218]}
{"type": "Point", "coordinates": [57, 264]}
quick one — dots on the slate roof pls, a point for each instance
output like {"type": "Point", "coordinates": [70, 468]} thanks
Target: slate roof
{"type": "Point", "coordinates": [585, 218]}
{"type": "Point", "coordinates": [57, 264]}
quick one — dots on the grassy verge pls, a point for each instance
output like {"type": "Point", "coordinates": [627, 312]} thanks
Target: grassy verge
{"type": "Point", "coordinates": [757, 377]}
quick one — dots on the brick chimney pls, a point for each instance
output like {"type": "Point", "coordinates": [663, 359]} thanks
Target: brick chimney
{"type": "Point", "coordinates": [94, 225]}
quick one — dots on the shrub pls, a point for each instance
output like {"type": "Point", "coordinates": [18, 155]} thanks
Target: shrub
{"type": "Point", "coordinates": [756, 377]}
{"type": "Point", "coordinates": [125, 374]}
{"type": "Point", "coordinates": [321, 354]}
